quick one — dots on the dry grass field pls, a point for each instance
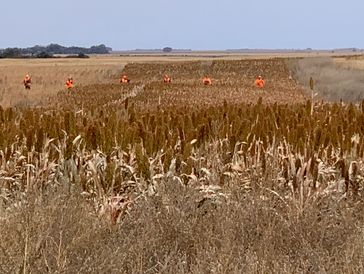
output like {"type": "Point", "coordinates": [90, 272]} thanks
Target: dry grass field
{"type": "Point", "coordinates": [351, 62]}
{"type": "Point", "coordinates": [148, 177]}
{"type": "Point", "coordinates": [336, 78]}
{"type": "Point", "coordinates": [49, 76]}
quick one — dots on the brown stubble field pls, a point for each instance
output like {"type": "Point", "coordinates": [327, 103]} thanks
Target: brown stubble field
{"type": "Point", "coordinates": [184, 178]}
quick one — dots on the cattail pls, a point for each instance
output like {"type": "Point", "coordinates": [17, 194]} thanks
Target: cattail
{"type": "Point", "coordinates": [9, 114]}
{"type": "Point", "coordinates": [2, 116]}
{"type": "Point", "coordinates": [91, 137]}
{"type": "Point", "coordinates": [142, 161]}
{"type": "Point", "coordinates": [353, 173]}
{"type": "Point", "coordinates": [30, 139]}
{"type": "Point", "coordinates": [39, 140]}
{"type": "Point", "coordinates": [126, 103]}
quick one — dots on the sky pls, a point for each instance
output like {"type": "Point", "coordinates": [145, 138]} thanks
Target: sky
{"type": "Point", "coordinates": [184, 24]}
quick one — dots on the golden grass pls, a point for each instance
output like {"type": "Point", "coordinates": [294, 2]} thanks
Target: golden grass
{"type": "Point", "coordinates": [355, 62]}
{"type": "Point", "coordinates": [49, 76]}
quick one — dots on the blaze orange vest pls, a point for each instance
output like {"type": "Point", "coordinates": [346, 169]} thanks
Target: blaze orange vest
{"type": "Point", "coordinates": [124, 79]}
{"type": "Point", "coordinates": [69, 84]}
{"type": "Point", "coordinates": [259, 83]}
{"type": "Point", "coordinates": [206, 81]}
{"type": "Point", "coordinates": [167, 79]}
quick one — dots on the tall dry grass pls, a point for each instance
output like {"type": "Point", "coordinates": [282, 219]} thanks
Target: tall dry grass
{"type": "Point", "coordinates": [335, 78]}
{"type": "Point", "coordinates": [49, 77]}
{"type": "Point", "coordinates": [250, 221]}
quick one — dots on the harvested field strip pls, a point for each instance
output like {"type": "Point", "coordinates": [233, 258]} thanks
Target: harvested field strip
{"type": "Point", "coordinates": [232, 82]}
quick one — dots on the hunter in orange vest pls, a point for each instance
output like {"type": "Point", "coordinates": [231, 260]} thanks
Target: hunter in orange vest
{"type": "Point", "coordinates": [69, 83]}
{"type": "Point", "coordinates": [124, 79]}
{"type": "Point", "coordinates": [27, 81]}
{"type": "Point", "coordinates": [259, 82]}
{"type": "Point", "coordinates": [167, 79]}
{"type": "Point", "coordinates": [206, 80]}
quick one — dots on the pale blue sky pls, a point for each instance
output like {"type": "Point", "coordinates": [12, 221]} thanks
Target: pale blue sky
{"type": "Point", "coordinates": [194, 24]}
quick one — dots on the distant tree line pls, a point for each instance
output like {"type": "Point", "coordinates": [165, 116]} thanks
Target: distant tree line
{"type": "Point", "coordinates": [167, 49]}
{"type": "Point", "coordinates": [50, 50]}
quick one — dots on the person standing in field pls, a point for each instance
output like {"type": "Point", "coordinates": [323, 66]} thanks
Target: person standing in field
{"type": "Point", "coordinates": [69, 83]}
{"type": "Point", "coordinates": [259, 82]}
{"type": "Point", "coordinates": [124, 79]}
{"type": "Point", "coordinates": [206, 80]}
{"type": "Point", "coordinates": [167, 79]}
{"type": "Point", "coordinates": [27, 81]}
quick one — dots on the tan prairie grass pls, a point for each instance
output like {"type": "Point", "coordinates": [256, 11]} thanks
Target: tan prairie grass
{"type": "Point", "coordinates": [350, 62]}
{"type": "Point", "coordinates": [49, 76]}
{"type": "Point", "coordinates": [336, 78]}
